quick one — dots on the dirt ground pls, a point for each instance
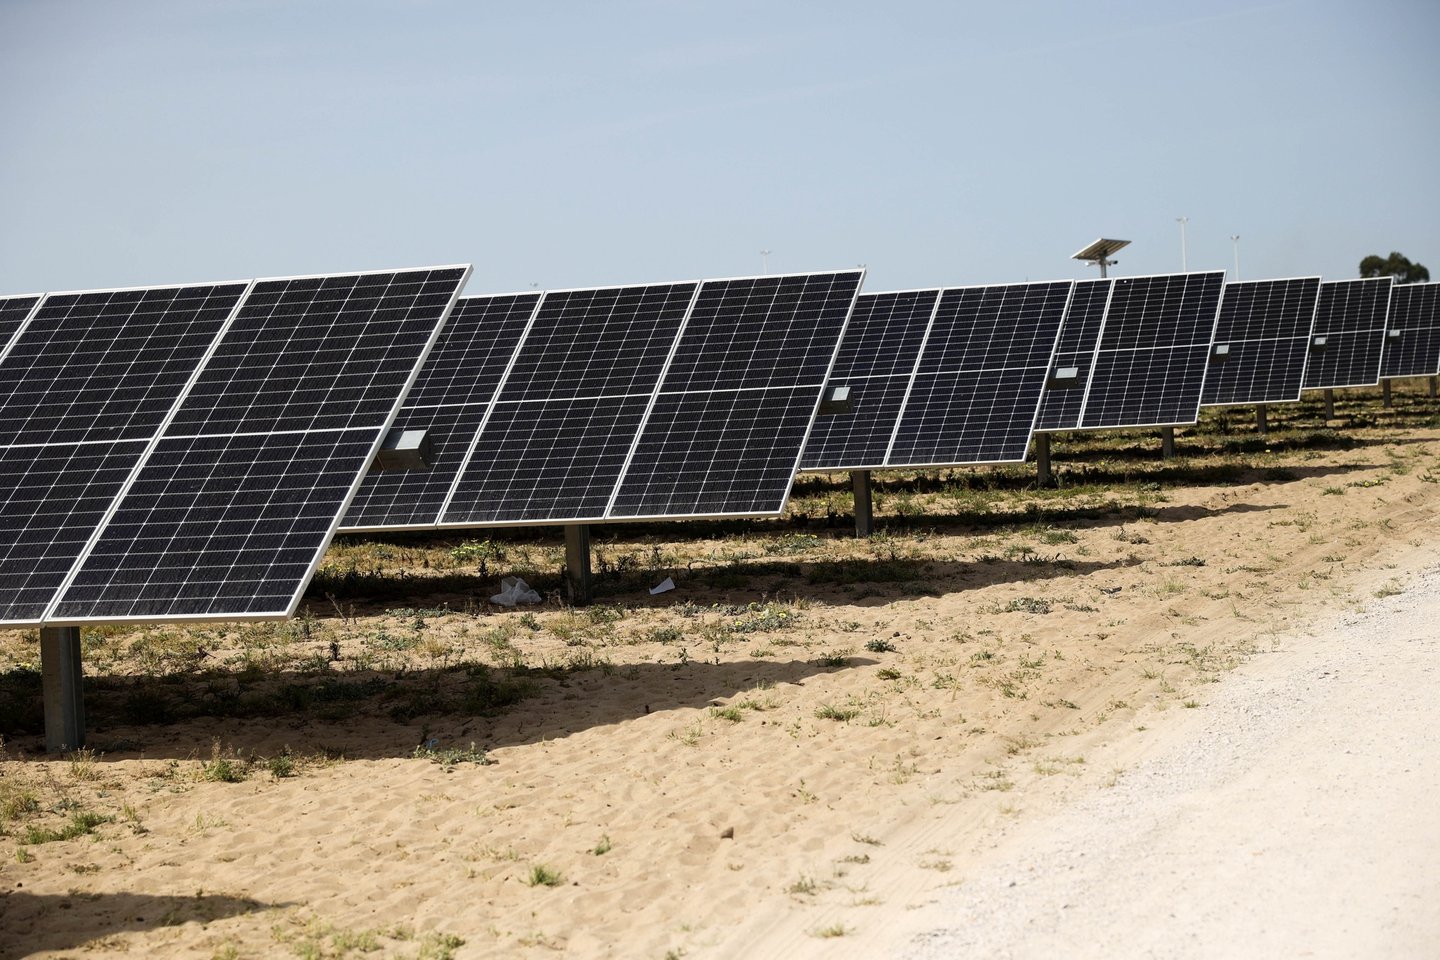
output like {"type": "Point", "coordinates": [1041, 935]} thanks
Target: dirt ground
{"type": "Point", "coordinates": [809, 736]}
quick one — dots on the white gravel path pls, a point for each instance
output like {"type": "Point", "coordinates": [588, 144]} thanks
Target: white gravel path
{"type": "Point", "coordinates": [1297, 815]}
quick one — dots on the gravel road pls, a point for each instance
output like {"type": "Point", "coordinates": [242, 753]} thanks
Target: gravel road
{"type": "Point", "coordinates": [1296, 813]}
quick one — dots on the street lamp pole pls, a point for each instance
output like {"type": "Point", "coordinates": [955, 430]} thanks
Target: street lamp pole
{"type": "Point", "coordinates": [765, 259]}
{"type": "Point", "coordinates": [1235, 239]}
{"type": "Point", "coordinates": [1184, 259]}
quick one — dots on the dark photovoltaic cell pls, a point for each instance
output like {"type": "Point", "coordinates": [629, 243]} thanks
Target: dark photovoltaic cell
{"type": "Point", "coordinates": [1265, 324]}
{"type": "Point", "coordinates": [109, 364]}
{"type": "Point", "coordinates": [1412, 345]}
{"type": "Point", "coordinates": [539, 462]}
{"type": "Point", "coordinates": [231, 511]}
{"type": "Point", "coordinates": [1350, 318]}
{"type": "Point", "coordinates": [219, 525]}
{"type": "Point", "coordinates": [762, 332]}
{"type": "Point", "coordinates": [319, 353]}
{"type": "Point", "coordinates": [1079, 335]}
{"type": "Point", "coordinates": [733, 411]}
{"type": "Point", "coordinates": [981, 376]}
{"type": "Point", "coordinates": [89, 372]}
{"type": "Point", "coordinates": [568, 411]}
{"type": "Point", "coordinates": [1149, 368]}
{"type": "Point", "coordinates": [449, 400]}
{"type": "Point", "coordinates": [969, 396]}
{"type": "Point", "coordinates": [876, 360]}
{"type": "Point", "coordinates": [598, 343]}
{"type": "Point", "coordinates": [51, 500]}
{"type": "Point", "coordinates": [13, 311]}
{"type": "Point", "coordinates": [719, 452]}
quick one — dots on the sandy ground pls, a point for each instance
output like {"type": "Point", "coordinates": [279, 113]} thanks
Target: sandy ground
{"type": "Point", "coordinates": [813, 747]}
{"type": "Point", "coordinates": [1295, 816]}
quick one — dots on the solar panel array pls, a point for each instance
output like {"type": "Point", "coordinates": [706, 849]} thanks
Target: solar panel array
{"type": "Point", "coordinates": [1349, 334]}
{"type": "Point", "coordinates": [1264, 329]}
{"type": "Point", "coordinates": [1148, 354]}
{"type": "Point", "coordinates": [185, 452]}
{"type": "Point", "coordinates": [1412, 344]}
{"type": "Point", "coordinates": [942, 377]}
{"type": "Point", "coordinates": [659, 400]}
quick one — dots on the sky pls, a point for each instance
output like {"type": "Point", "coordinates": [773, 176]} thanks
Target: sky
{"type": "Point", "coordinates": [566, 144]}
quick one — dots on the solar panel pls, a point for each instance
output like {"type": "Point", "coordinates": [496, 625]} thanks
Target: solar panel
{"type": "Point", "coordinates": [942, 377]}
{"type": "Point", "coordinates": [687, 399]}
{"type": "Point", "coordinates": [1412, 343]}
{"type": "Point", "coordinates": [1079, 333]}
{"type": "Point", "coordinates": [978, 384]}
{"type": "Point", "coordinates": [1348, 337]}
{"type": "Point", "coordinates": [235, 503]}
{"type": "Point", "coordinates": [731, 417]}
{"type": "Point", "coordinates": [876, 362]}
{"type": "Point", "coordinates": [84, 387]}
{"type": "Point", "coordinates": [14, 311]}
{"type": "Point", "coordinates": [1150, 349]}
{"type": "Point", "coordinates": [449, 401]}
{"type": "Point", "coordinates": [555, 441]}
{"type": "Point", "coordinates": [1264, 332]}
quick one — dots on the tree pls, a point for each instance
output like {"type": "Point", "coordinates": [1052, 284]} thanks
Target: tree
{"type": "Point", "coordinates": [1396, 265]}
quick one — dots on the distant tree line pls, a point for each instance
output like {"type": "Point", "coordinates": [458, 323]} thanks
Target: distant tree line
{"type": "Point", "coordinates": [1396, 265]}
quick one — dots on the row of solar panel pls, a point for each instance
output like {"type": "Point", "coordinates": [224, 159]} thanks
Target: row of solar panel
{"type": "Point", "coordinates": [187, 452]}
{"type": "Point", "coordinates": [525, 397]}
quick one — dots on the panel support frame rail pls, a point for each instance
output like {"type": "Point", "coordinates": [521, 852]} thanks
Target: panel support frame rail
{"type": "Point", "coordinates": [62, 684]}
{"type": "Point", "coordinates": [578, 588]}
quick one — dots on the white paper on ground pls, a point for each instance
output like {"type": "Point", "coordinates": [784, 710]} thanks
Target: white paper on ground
{"type": "Point", "coordinates": [513, 590]}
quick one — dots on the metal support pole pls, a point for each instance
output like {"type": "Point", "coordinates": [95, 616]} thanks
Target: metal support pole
{"type": "Point", "coordinates": [1043, 476]}
{"type": "Point", "coordinates": [1329, 404]}
{"type": "Point", "coordinates": [864, 510]}
{"type": "Point", "coordinates": [1262, 425]}
{"type": "Point", "coordinates": [577, 563]}
{"type": "Point", "coordinates": [1385, 395]}
{"type": "Point", "coordinates": [1434, 385]}
{"type": "Point", "coordinates": [62, 683]}
{"type": "Point", "coordinates": [1167, 443]}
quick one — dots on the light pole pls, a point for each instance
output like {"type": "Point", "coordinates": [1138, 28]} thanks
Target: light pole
{"type": "Point", "coordinates": [1184, 260]}
{"type": "Point", "coordinates": [765, 260]}
{"type": "Point", "coordinates": [1235, 239]}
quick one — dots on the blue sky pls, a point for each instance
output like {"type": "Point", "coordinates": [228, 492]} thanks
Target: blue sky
{"type": "Point", "coordinates": [571, 144]}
